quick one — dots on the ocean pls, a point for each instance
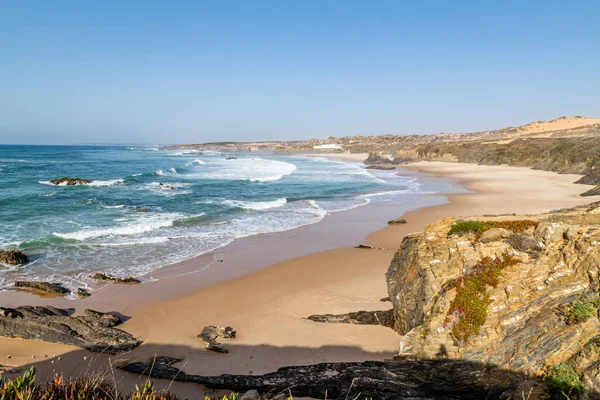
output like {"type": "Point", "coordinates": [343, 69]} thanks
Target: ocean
{"type": "Point", "coordinates": [125, 224]}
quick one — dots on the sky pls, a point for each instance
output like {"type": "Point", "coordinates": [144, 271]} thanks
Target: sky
{"type": "Point", "coordinates": [112, 71]}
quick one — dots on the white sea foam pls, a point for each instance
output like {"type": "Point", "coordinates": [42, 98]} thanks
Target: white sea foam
{"type": "Point", "coordinates": [137, 175]}
{"type": "Point", "coordinates": [97, 183]}
{"type": "Point", "coordinates": [258, 205]}
{"type": "Point", "coordinates": [143, 148]}
{"type": "Point", "coordinates": [113, 182]}
{"type": "Point", "coordinates": [249, 169]}
{"type": "Point", "coordinates": [142, 225]}
{"type": "Point", "coordinates": [118, 206]}
{"type": "Point", "coordinates": [191, 152]}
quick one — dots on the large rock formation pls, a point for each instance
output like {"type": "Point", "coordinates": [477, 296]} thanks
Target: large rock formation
{"type": "Point", "coordinates": [525, 301]}
{"type": "Point", "coordinates": [93, 330]}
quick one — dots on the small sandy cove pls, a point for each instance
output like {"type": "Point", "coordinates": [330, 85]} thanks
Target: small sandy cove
{"type": "Point", "coordinates": [267, 307]}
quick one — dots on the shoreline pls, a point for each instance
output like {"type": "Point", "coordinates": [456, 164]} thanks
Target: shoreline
{"type": "Point", "coordinates": [267, 305]}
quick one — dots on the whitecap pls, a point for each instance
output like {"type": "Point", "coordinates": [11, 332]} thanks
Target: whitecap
{"type": "Point", "coordinates": [259, 205]}
{"type": "Point", "coordinates": [143, 225]}
{"type": "Point", "coordinates": [249, 169]}
{"type": "Point", "coordinates": [113, 182]}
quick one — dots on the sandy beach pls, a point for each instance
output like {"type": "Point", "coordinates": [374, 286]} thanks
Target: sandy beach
{"type": "Point", "coordinates": [303, 274]}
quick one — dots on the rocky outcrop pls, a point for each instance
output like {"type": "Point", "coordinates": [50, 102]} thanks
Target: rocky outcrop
{"type": "Point", "coordinates": [211, 333]}
{"type": "Point", "coordinates": [398, 379]}
{"type": "Point", "coordinates": [42, 288]}
{"type": "Point", "coordinates": [66, 181]}
{"type": "Point", "coordinates": [105, 277]}
{"type": "Point", "coordinates": [503, 302]}
{"type": "Point", "coordinates": [376, 158]}
{"type": "Point", "coordinates": [592, 192]}
{"type": "Point", "coordinates": [591, 178]}
{"type": "Point", "coordinates": [13, 257]}
{"type": "Point", "coordinates": [398, 221]}
{"type": "Point", "coordinates": [93, 330]}
{"type": "Point", "coordinates": [383, 318]}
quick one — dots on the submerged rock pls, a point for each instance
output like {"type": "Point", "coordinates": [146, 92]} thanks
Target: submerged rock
{"type": "Point", "coordinates": [105, 277]}
{"type": "Point", "coordinates": [231, 158]}
{"type": "Point", "coordinates": [93, 331]}
{"type": "Point", "coordinates": [165, 186]}
{"type": "Point", "coordinates": [43, 288]}
{"type": "Point", "coordinates": [69, 181]}
{"type": "Point", "coordinates": [13, 257]}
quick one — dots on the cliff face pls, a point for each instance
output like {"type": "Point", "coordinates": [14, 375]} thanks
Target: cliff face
{"type": "Point", "coordinates": [521, 295]}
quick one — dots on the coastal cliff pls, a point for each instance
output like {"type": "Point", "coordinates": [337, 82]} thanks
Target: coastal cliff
{"type": "Point", "coordinates": [518, 294]}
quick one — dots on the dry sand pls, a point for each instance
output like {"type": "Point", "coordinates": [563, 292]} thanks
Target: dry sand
{"type": "Point", "coordinates": [267, 307]}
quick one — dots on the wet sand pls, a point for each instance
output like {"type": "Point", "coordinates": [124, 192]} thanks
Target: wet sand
{"type": "Point", "coordinates": [267, 285]}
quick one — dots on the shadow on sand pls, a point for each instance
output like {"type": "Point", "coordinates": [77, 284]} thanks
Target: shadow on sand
{"type": "Point", "coordinates": [191, 373]}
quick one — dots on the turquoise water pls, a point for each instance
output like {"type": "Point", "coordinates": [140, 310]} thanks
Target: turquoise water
{"type": "Point", "coordinates": [70, 232]}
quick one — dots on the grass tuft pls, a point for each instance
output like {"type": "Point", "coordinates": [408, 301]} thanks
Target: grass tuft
{"type": "Point", "coordinates": [462, 228]}
{"type": "Point", "coordinates": [472, 300]}
{"type": "Point", "coordinates": [578, 311]}
{"type": "Point", "coordinates": [562, 379]}
{"type": "Point", "coordinates": [85, 388]}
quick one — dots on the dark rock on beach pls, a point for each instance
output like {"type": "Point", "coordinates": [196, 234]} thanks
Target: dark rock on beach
{"type": "Point", "coordinates": [364, 246]}
{"type": "Point", "coordinates": [592, 178]}
{"type": "Point", "coordinates": [592, 192]}
{"type": "Point", "coordinates": [69, 181]}
{"type": "Point", "coordinates": [93, 331]}
{"type": "Point", "coordinates": [13, 257]}
{"type": "Point", "coordinates": [104, 277]}
{"type": "Point", "coordinates": [211, 333]}
{"type": "Point", "coordinates": [81, 292]}
{"type": "Point", "coordinates": [231, 158]}
{"type": "Point", "coordinates": [383, 318]}
{"type": "Point", "coordinates": [42, 288]}
{"type": "Point", "coordinates": [398, 379]}
{"type": "Point", "coordinates": [398, 221]}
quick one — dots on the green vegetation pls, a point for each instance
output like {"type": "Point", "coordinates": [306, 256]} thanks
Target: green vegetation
{"type": "Point", "coordinates": [578, 311]}
{"type": "Point", "coordinates": [462, 228]}
{"type": "Point", "coordinates": [472, 300]}
{"type": "Point", "coordinates": [562, 379]}
{"type": "Point", "coordinates": [88, 388]}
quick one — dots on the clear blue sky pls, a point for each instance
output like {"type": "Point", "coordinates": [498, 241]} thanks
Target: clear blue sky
{"type": "Point", "coordinates": [195, 71]}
